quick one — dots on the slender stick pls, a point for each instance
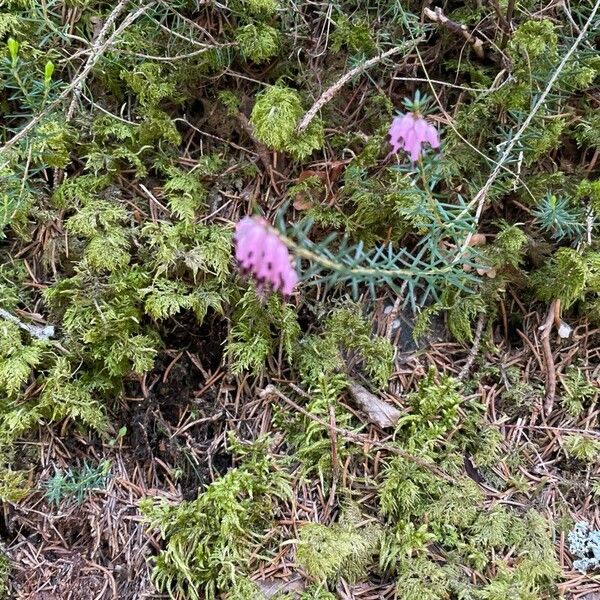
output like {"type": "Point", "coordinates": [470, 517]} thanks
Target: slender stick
{"type": "Point", "coordinates": [330, 93]}
{"type": "Point", "coordinates": [548, 358]}
{"type": "Point", "coordinates": [476, 343]}
{"type": "Point", "coordinates": [437, 16]}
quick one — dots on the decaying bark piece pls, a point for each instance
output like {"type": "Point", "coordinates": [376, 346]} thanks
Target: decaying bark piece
{"type": "Point", "coordinates": [378, 411]}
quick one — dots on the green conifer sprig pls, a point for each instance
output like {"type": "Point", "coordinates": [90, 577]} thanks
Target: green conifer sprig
{"type": "Point", "coordinates": [555, 215]}
{"type": "Point", "coordinates": [434, 263]}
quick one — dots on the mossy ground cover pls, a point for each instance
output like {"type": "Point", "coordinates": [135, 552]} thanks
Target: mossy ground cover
{"type": "Point", "coordinates": [418, 420]}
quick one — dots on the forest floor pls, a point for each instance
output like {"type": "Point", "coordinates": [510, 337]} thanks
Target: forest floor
{"type": "Point", "coordinates": [179, 435]}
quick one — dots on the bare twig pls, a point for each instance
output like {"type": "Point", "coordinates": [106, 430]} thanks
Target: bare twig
{"type": "Point", "coordinates": [546, 329]}
{"type": "Point", "coordinates": [475, 348]}
{"type": "Point", "coordinates": [437, 16]}
{"type": "Point", "coordinates": [330, 93]}
{"type": "Point", "coordinates": [36, 331]}
{"type": "Point", "coordinates": [96, 45]}
{"type": "Point", "coordinates": [507, 19]}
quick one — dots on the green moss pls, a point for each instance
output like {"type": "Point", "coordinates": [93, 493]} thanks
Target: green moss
{"type": "Point", "coordinates": [258, 42]}
{"type": "Point", "coordinates": [434, 411]}
{"type": "Point", "coordinates": [209, 541]}
{"type": "Point", "coordinates": [581, 447]}
{"type": "Point", "coordinates": [257, 330]}
{"type": "Point", "coordinates": [257, 7]}
{"type": "Point", "coordinates": [345, 331]}
{"type": "Point", "coordinates": [345, 549]}
{"type": "Point", "coordinates": [564, 277]}
{"type": "Point", "coordinates": [353, 33]}
{"type": "Point", "coordinates": [534, 42]}
{"type": "Point", "coordinates": [275, 117]}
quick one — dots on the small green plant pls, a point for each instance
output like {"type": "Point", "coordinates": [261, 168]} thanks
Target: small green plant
{"type": "Point", "coordinates": [259, 42]}
{"type": "Point", "coordinates": [76, 483]}
{"type": "Point", "coordinates": [561, 220]}
{"type": "Point", "coordinates": [582, 447]}
{"type": "Point", "coordinates": [5, 569]}
{"type": "Point", "coordinates": [434, 412]}
{"type": "Point", "coordinates": [577, 391]}
{"type": "Point", "coordinates": [343, 549]}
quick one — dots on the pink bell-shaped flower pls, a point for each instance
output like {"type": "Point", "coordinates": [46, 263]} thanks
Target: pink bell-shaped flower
{"type": "Point", "coordinates": [410, 132]}
{"type": "Point", "coordinates": [261, 253]}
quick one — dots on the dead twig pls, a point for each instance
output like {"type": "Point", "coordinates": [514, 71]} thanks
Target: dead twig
{"type": "Point", "coordinates": [475, 348]}
{"type": "Point", "coordinates": [437, 16]}
{"type": "Point", "coordinates": [546, 329]}
{"type": "Point", "coordinates": [330, 93]}
{"type": "Point", "coordinates": [100, 38]}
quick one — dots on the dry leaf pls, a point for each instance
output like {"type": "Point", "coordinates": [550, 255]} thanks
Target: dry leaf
{"type": "Point", "coordinates": [477, 239]}
{"type": "Point", "coordinates": [491, 272]}
{"type": "Point", "coordinates": [378, 411]}
{"type": "Point", "coordinates": [273, 587]}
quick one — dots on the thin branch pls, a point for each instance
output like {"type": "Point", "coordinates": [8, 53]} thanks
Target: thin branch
{"type": "Point", "coordinates": [97, 44]}
{"type": "Point", "coordinates": [474, 349]}
{"type": "Point", "coordinates": [330, 93]}
{"type": "Point", "coordinates": [546, 329]}
{"type": "Point", "coordinates": [437, 16]}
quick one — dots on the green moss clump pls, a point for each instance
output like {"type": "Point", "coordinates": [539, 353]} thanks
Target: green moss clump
{"type": "Point", "coordinates": [275, 117]}
{"type": "Point", "coordinates": [345, 549]}
{"type": "Point", "coordinates": [258, 42]}
{"type": "Point", "coordinates": [564, 277]}
{"type": "Point", "coordinates": [209, 541]}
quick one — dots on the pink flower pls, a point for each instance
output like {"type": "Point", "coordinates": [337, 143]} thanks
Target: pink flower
{"type": "Point", "coordinates": [262, 253]}
{"type": "Point", "coordinates": [410, 132]}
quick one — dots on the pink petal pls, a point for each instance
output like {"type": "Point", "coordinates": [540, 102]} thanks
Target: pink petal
{"type": "Point", "coordinates": [400, 126]}
{"type": "Point", "coordinates": [289, 280]}
{"type": "Point", "coordinates": [248, 245]}
{"type": "Point", "coordinates": [410, 141]}
{"type": "Point", "coordinates": [263, 266]}
{"type": "Point", "coordinates": [260, 251]}
{"type": "Point", "coordinates": [432, 136]}
{"type": "Point", "coordinates": [415, 152]}
{"type": "Point", "coordinates": [420, 129]}
{"type": "Point", "coordinates": [399, 129]}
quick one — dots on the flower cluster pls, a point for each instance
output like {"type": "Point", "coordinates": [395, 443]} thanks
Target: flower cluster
{"type": "Point", "coordinates": [409, 132]}
{"type": "Point", "coordinates": [261, 253]}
